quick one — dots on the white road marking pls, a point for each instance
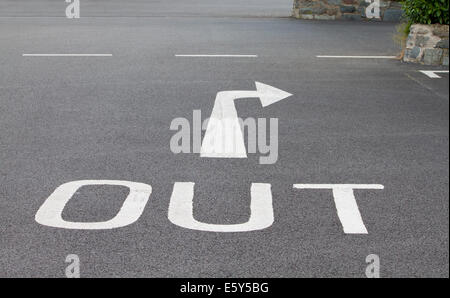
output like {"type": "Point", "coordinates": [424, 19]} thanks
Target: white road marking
{"type": "Point", "coordinates": [67, 55]}
{"type": "Point", "coordinates": [433, 73]}
{"type": "Point", "coordinates": [346, 206]}
{"type": "Point", "coordinates": [330, 186]}
{"type": "Point", "coordinates": [216, 56]}
{"type": "Point", "coordinates": [181, 210]}
{"type": "Point", "coordinates": [357, 57]}
{"type": "Point", "coordinates": [50, 213]}
{"type": "Point", "coordinates": [181, 207]}
{"type": "Point", "coordinates": [224, 124]}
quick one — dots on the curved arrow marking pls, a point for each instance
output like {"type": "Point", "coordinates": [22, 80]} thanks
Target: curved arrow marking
{"type": "Point", "coordinates": [224, 137]}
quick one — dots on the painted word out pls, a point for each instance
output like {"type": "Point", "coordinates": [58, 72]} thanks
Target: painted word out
{"type": "Point", "coordinates": [180, 211]}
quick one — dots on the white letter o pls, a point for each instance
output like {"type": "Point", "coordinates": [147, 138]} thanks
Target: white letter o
{"type": "Point", "coordinates": [50, 213]}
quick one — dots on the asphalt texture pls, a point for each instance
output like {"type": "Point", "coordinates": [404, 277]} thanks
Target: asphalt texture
{"type": "Point", "coordinates": [358, 121]}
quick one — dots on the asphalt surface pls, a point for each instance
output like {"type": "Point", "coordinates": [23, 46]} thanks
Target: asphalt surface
{"type": "Point", "coordinates": [368, 121]}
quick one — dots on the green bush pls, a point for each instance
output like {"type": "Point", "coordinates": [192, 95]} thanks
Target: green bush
{"type": "Point", "coordinates": [426, 11]}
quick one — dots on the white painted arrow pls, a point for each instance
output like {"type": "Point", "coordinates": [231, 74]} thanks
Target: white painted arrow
{"type": "Point", "coordinates": [433, 73]}
{"type": "Point", "coordinates": [224, 137]}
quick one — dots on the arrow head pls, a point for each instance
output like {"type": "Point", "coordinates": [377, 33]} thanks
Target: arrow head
{"type": "Point", "coordinates": [269, 95]}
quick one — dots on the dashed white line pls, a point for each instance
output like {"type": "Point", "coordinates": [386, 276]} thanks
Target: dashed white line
{"type": "Point", "coordinates": [331, 186]}
{"type": "Point", "coordinates": [433, 73]}
{"type": "Point", "coordinates": [215, 56]}
{"type": "Point", "coordinates": [67, 55]}
{"type": "Point", "coordinates": [357, 57]}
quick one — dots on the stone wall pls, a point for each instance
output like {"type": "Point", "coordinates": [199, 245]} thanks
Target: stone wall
{"type": "Point", "coordinates": [427, 44]}
{"type": "Point", "coordinates": [390, 11]}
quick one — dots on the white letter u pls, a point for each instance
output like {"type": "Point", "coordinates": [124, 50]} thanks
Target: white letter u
{"type": "Point", "coordinates": [181, 210]}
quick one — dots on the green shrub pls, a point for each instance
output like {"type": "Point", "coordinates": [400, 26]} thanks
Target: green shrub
{"type": "Point", "coordinates": [426, 11]}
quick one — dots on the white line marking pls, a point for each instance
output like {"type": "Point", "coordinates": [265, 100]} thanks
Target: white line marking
{"type": "Point", "coordinates": [67, 55]}
{"type": "Point", "coordinates": [433, 73]}
{"type": "Point", "coordinates": [331, 186]}
{"type": "Point", "coordinates": [219, 56]}
{"type": "Point", "coordinates": [357, 57]}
